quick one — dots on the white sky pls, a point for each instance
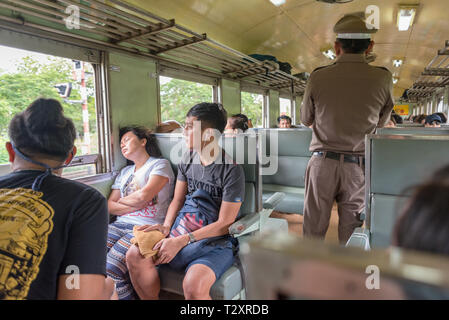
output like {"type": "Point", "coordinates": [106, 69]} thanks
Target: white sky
{"type": "Point", "coordinates": [10, 56]}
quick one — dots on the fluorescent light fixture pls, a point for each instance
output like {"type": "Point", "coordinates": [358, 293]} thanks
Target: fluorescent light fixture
{"type": "Point", "coordinates": [406, 15]}
{"type": "Point", "coordinates": [395, 80]}
{"type": "Point", "coordinates": [330, 54]}
{"type": "Point", "coordinates": [277, 3]}
{"type": "Point", "coordinates": [397, 62]}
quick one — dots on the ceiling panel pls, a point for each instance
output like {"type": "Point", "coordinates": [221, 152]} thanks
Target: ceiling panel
{"type": "Point", "coordinates": [297, 31]}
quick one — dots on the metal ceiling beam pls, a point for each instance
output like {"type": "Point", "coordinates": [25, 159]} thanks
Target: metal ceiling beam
{"type": "Point", "coordinates": [430, 84]}
{"type": "Point", "coordinates": [150, 30]}
{"type": "Point", "coordinates": [444, 72]}
{"type": "Point", "coordinates": [182, 43]}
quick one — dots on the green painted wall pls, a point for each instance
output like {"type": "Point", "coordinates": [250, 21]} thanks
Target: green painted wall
{"type": "Point", "coordinates": [133, 96]}
{"type": "Point", "coordinates": [230, 96]}
{"type": "Point", "coordinates": [273, 108]}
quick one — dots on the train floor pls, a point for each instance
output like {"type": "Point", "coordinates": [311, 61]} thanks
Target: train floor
{"type": "Point", "coordinates": [295, 223]}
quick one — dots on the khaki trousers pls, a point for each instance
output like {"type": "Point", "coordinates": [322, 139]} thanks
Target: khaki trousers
{"type": "Point", "coordinates": [328, 180]}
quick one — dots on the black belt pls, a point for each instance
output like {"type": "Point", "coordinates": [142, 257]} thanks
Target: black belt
{"type": "Point", "coordinates": [336, 156]}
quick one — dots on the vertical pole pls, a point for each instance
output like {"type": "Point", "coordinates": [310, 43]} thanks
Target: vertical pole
{"type": "Point", "coordinates": [86, 145]}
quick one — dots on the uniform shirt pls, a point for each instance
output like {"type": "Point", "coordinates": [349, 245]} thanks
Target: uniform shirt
{"type": "Point", "coordinates": [223, 179]}
{"type": "Point", "coordinates": [130, 180]}
{"type": "Point", "coordinates": [344, 102]}
{"type": "Point", "coordinates": [60, 229]}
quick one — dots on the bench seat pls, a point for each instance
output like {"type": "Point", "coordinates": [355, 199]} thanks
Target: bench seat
{"type": "Point", "coordinates": [293, 201]}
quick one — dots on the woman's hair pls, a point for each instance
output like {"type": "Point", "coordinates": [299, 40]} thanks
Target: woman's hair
{"type": "Point", "coordinates": [151, 146]}
{"type": "Point", "coordinates": [239, 121]}
{"type": "Point", "coordinates": [167, 126]}
{"type": "Point", "coordinates": [42, 129]}
{"type": "Point", "coordinates": [420, 118]}
{"type": "Point", "coordinates": [424, 222]}
{"type": "Point", "coordinates": [211, 115]}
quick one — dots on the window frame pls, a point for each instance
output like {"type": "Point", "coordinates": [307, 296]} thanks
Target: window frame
{"type": "Point", "coordinates": [97, 58]}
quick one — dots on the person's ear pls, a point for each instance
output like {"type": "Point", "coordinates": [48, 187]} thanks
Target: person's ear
{"type": "Point", "coordinates": [11, 153]}
{"type": "Point", "coordinates": [144, 143]}
{"type": "Point", "coordinates": [338, 49]}
{"type": "Point", "coordinates": [370, 47]}
{"type": "Point", "coordinates": [71, 156]}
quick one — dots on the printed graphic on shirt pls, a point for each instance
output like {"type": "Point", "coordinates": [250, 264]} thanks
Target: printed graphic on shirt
{"type": "Point", "coordinates": [25, 224]}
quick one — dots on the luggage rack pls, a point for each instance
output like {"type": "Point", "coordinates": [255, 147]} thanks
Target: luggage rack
{"type": "Point", "coordinates": [438, 69]}
{"type": "Point", "coordinates": [118, 25]}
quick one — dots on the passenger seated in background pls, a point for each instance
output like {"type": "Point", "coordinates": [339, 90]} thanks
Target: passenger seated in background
{"type": "Point", "coordinates": [284, 122]}
{"type": "Point", "coordinates": [443, 116]}
{"type": "Point", "coordinates": [208, 194]}
{"type": "Point", "coordinates": [250, 123]}
{"type": "Point", "coordinates": [391, 123]}
{"type": "Point", "coordinates": [237, 123]}
{"type": "Point", "coordinates": [424, 222]}
{"type": "Point", "coordinates": [140, 195]}
{"type": "Point", "coordinates": [50, 227]}
{"type": "Point", "coordinates": [168, 126]}
{"type": "Point", "coordinates": [420, 119]}
{"type": "Point", "coordinates": [397, 118]}
{"type": "Point", "coordinates": [432, 121]}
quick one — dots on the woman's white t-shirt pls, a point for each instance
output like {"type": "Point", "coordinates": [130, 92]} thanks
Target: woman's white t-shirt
{"type": "Point", "coordinates": [129, 181]}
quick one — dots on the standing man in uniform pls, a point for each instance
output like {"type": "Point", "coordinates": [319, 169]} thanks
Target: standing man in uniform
{"type": "Point", "coordinates": [342, 102]}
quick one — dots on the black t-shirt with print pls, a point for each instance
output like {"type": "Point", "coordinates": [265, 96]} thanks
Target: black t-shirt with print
{"type": "Point", "coordinates": [224, 180]}
{"type": "Point", "coordinates": [60, 229]}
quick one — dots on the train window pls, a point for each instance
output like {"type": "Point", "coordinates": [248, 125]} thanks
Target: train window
{"type": "Point", "coordinates": [26, 76]}
{"type": "Point", "coordinates": [285, 106]}
{"type": "Point", "coordinates": [178, 96]}
{"type": "Point", "coordinates": [252, 107]}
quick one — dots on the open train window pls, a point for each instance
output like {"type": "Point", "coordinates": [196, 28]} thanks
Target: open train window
{"type": "Point", "coordinates": [252, 107]}
{"type": "Point", "coordinates": [178, 96]}
{"type": "Point", "coordinates": [27, 75]}
{"type": "Point", "coordinates": [285, 107]}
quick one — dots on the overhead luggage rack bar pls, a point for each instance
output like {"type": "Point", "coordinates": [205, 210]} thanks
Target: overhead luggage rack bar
{"type": "Point", "coordinates": [424, 87]}
{"type": "Point", "coordinates": [118, 25]}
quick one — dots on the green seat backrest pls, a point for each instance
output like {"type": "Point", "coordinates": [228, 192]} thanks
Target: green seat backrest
{"type": "Point", "coordinates": [396, 164]}
{"type": "Point", "coordinates": [291, 147]}
{"type": "Point", "coordinates": [414, 131]}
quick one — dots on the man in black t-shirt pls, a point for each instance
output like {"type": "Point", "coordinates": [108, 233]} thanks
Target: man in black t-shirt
{"type": "Point", "coordinates": [52, 230]}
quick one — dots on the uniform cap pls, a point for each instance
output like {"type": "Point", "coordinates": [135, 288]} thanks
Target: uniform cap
{"type": "Point", "coordinates": [353, 26]}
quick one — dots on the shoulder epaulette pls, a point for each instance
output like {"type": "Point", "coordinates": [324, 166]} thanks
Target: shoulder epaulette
{"type": "Point", "coordinates": [386, 69]}
{"type": "Point", "coordinates": [322, 67]}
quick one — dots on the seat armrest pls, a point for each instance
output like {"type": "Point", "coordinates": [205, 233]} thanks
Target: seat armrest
{"type": "Point", "coordinates": [360, 238]}
{"type": "Point", "coordinates": [247, 224]}
{"type": "Point", "coordinates": [274, 200]}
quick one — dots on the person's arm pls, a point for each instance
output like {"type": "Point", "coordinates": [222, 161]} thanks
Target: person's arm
{"type": "Point", "coordinates": [307, 113]}
{"type": "Point", "coordinates": [385, 113]}
{"type": "Point", "coordinates": [116, 208]}
{"type": "Point", "coordinates": [169, 247]}
{"type": "Point", "coordinates": [88, 287]}
{"type": "Point", "coordinates": [176, 204]}
{"type": "Point", "coordinates": [140, 198]}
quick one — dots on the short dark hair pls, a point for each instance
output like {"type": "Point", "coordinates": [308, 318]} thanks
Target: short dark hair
{"type": "Point", "coordinates": [239, 121]}
{"type": "Point", "coordinates": [442, 116]}
{"type": "Point", "coordinates": [397, 118]}
{"type": "Point", "coordinates": [424, 222]}
{"type": "Point", "coordinates": [284, 117]}
{"type": "Point", "coordinates": [211, 115]}
{"type": "Point", "coordinates": [42, 129]}
{"type": "Point", "coordinates": [354, 45]}
{"type": "Point", "coordinates": [151, 146]}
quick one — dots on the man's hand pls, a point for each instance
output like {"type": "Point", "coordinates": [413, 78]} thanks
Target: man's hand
{"type": "Point", "coordinates": [148, 227]}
